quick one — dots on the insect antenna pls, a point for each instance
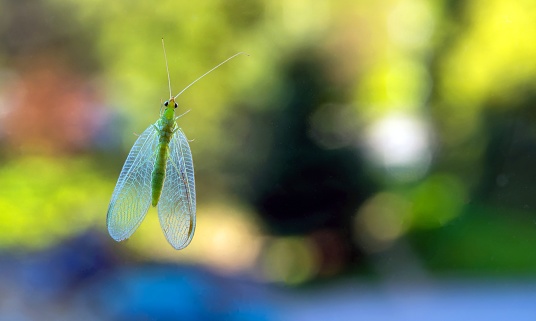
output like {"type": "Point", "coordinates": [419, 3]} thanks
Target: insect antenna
{"type": "Point", "coordinates": [167, 69]}
{"type": "Point", "coordinates": [208, 72]}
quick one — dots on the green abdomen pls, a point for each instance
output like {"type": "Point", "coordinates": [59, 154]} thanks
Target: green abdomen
{"type": "Point", "coordinates": [159, 172]}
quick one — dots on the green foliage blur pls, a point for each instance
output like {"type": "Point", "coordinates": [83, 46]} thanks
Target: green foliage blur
{"type": "Point", "coordinates": [352, 127]}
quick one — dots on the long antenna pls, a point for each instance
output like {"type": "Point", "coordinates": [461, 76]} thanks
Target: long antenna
{"type": "Point", "coordinates": [167, 69]}
{"type": "Point", "coordinates": [208, 72]}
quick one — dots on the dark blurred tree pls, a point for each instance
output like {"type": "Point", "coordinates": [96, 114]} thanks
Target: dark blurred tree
{"type": "Point", "coordinates": [510, 154]}
{"type": "Point", "coordinates": [303, 188]}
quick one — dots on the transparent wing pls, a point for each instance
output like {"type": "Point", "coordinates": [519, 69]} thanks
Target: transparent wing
{"type": "Point", "coordinates": [176, 208]}
{"type": "Point", "coordinates": [132, 194]}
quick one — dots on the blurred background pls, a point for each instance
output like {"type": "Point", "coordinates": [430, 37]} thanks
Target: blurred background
{"type": "Point", "coordinates": [369, 159]}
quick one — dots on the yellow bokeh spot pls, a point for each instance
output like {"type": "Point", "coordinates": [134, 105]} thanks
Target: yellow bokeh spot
{"type": "Point", "coordinates": [289, 260]}
{"type": "Point", "coordinates": [226, 238]}
{"type": "Point", "coordinates": [381, 220]}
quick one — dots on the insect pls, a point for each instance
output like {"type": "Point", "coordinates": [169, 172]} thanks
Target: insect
{"type": "Point", "coordinates": [159, 171]}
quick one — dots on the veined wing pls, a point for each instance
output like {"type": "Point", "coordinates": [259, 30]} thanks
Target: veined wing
{"type": "Point", "coordinates": [132, 194]}
{"type": "Point", "coordinates": [176, 208]}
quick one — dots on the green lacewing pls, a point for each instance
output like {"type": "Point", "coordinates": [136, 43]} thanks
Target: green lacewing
{"type": "Point", "coordinates": [159, 171]}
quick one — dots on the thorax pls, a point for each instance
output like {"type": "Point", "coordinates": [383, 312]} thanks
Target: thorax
{"type": "Point", "coordinates": [165, 128]}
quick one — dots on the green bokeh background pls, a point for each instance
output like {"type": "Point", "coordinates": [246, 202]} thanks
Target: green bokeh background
{"type": "Point", "coordinates": [78, 78]}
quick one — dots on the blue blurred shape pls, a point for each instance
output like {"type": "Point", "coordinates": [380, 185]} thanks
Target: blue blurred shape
{"type": "Point", "coordinates": [170, 292]}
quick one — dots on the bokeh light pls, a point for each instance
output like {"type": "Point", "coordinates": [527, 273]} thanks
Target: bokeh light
{"type": "Point", "coordinates": [401, 146]}
{"type": "Point", "coordinates": [360, 146]}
